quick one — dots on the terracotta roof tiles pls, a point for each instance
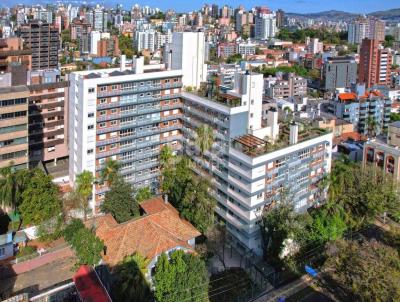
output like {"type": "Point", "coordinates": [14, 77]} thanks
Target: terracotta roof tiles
{"type": "Point", "coordinates": [161, 229]}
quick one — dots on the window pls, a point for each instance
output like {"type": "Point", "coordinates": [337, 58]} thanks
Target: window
{"type": "Point", "coordinates": [114, 87]}
{"type": "Point", "coordinates": [91, 90]}
{"type": "Point", "coordinates": [51, 149]}
{"type": "Point", "coordinates": [90, 127]}
{"type": "Point", "coordinates": [113, 146]}
{"type": "Point", "coordinates": [2, 251]}
{"type": "Point", "coordinates": [259, 196]}
{"type": "Point", "coordinates": [103, 112]}
{"type": "Point", "coordinates": [89, 151]}
{"type": "Point", "coordinates": [113, 111]}
{"type": "Point", "coordinates": [91, 114]}
{"type": "Point", "coordinates": [102, 125]}
{"type": "Point", "coordinates": [114, 123]}
{"type": "Point", "coordinates": [102, 149]}
{"type": "Point", "coordinates": [103, 101]}
{"type": "Point", "coordinates": [103, 88]}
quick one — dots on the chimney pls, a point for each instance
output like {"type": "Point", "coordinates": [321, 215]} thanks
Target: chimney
{"type": "Point", "coordinates": [170, 60]}
{"type": "Point", "coordinates": [165, 198]}
{"type": "Point", "coordinates": [272, 121]}
{"type": "Point", "coordinates": [294, 133]}
{"type": "Point", "coordinates": [139, 65]}
{"type": "Point", "coordinates": [122, 62]}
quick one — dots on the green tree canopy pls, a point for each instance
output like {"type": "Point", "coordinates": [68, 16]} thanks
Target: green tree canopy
{"type": "Point", "coordinates": [120, 202]}
{"type": "Point", "coordinates": [234, 58]}
{"type": "Point", "coordinates": [12, 184]}
{"type": "Point", "coordinates": [110, 171]}
{"type": "Point", "coordinates": [367, 271]}
{"type": "Point", "coordinates": [143, 194]}
{"type": "Point", "coordinates": [40, 199]}
{"type": "Point", "coordinates": [87, 246]}
{"type": "Point", "coordinates": [131, 283]}
{"type": "Point", "coordinates": [84, 189]}
{"type": "Point", "coordinates": [183, 277]}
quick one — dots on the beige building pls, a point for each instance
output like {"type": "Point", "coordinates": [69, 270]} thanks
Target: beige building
{"type": "Point", "coordinates": [14, 126]}
{"type": "Point", "coordinates": [385, 155]}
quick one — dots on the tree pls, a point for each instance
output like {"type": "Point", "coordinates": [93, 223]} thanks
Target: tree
{"type": "Point", "coordinates": [314, 74]}
{"type": "Point", "coordinates": [131, 283]}
{"type": "Point", "coordinates": [279, 224]}
{"type": "Point", "coordinates": [363, 192]}
{"type": "Point", "coordinates": [166, 157]}
{"type": "Point", "coordinates": [119, 201]}
{"type": "Point", "coordinates": [366, 271]}
{"type": "Point", "coordinates": [175, 179]}
{"type": "Point", "coordinates": [110, 171]}
{"type": "Point", "coordinates": [12, 184]}
{"type": "Point", "coordinates": [197, 205]}
{"type": "Point", "coordinates": [325, 226]}
{"type": "Point", "coordinates": [389, 39]}
{"type": "Point", "coordinates": [216, 241]}
{"type": "Point", "coordinates": [372, 126]}
{"type": "Point", "coordinates": [204, 139]}
{"type": "Point", "coordinates": [88, 247]}
{"type": "Point", "coordinates": [234, 58]}
{"type": "Point", "coordinates": [72, 229]}
{"type": "Point", "coordinates": [40, 199]}
{"type": "Point", "coordinates": [84, 189]}
{"type": "Point", "coordinates": [183, 277]}
{"type": "Point", "coordinates": [143, 194]}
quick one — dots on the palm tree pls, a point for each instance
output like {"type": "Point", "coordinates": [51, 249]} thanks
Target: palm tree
{"type": "Point", "coordinates": [132, 273]}
{"type": "Point", "coordinates": [372, 126]}
{"type": "Point", "coordinates": [84, 189]}
{"type": "Point", "coordinates": [204, 139]}
{"type": "Point", "coordinates": [110, 171]}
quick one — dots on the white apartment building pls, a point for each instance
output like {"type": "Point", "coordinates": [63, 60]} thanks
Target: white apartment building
{"type": "Point", "coordinates": [265, 25]}
{"type": "Point", "coordinates": [188, 55]}
{"type": "Point", "coordinates": [96, 36]}
{"type": "Point", "coordinates": [145, 39]}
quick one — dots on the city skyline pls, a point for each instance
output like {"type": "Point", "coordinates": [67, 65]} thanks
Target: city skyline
{"type": "Point", "coordinates": [291, 6]}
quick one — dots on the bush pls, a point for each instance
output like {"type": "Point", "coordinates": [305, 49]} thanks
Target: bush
{"type": "Point", "coordinates": [25, 251]}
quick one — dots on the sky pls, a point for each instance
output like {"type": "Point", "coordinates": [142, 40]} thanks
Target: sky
{"type": "Point", "coordinates": [294, 6]}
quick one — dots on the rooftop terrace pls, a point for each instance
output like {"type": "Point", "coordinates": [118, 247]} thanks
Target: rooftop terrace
{"type": "Point", "coordinates": [254, 146]}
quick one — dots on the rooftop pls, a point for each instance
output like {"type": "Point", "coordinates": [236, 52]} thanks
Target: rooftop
{"type": "Point", "coordinates": [254, 146]}
{"type": "Point", "coordinates": [160, 230]}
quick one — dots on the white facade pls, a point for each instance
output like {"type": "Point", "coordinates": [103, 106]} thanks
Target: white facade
{"type": "Point", "coordinates": [358, 30]}
{"type": "Point", "coordinates": [265, 26]}
{"type": "Point", "coordinates": [188, 55]}
{"type": "Point", "coordinates": [145, 39]}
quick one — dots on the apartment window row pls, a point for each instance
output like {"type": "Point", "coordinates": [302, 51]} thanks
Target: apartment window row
{"type": "Point", "coordinates": [11, 129]}
{"type": "Point", "coordinates": [13, 155]}
{"type": "Point", "coordinates": [12, 102]}
{"type": "Point", "coordinates": [5, 116]}
{"type": "Point", "coordinates": [14, 141]}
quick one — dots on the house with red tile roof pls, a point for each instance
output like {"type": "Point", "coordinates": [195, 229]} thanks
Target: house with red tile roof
{"type": "Point", "coordinates": [159, 230]}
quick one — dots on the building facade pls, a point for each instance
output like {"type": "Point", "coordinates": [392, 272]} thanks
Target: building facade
{"type": "Point", "coordinates": [44, 42]}
{"type": "Point", "coordinates": [385, 155]}
{"type": "Point", "coordinates": [359, 109]}
{"type": "Point", "coordinates": [285, 86]}
{"type": "Point", "coordinates": [265, 24]}
{"type": "Point", "coordinates": [339, 72]}
{"type": "Point", "coordinates": [48, 109]}
{"type": "Point", "coordinates": [14, 127]}
{"type": "Point", "coordinates": [124, 115]}
{"type": "Point", "coordinates": [375, 64]}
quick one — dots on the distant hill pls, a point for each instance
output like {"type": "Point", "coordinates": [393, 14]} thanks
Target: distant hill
{"type": "Point", "coordinates": [335, 15]}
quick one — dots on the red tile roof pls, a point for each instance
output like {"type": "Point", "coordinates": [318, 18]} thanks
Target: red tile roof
{"type": "Point", "coordinates": [160, 230]}
{"type": "Point", "coordinates": [347, 96]}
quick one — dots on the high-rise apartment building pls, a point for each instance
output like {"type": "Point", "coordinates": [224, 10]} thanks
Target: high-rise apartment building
{"type": "Point", "coordinates": [362, 28]}
{"type": "Point", "coordinates": [145, 39]}
{"type": "Point", "coordinates": [126, 115]}
{"type": "Point", "coordinates": [265, 24]}
{"type": "Point", "coordinates": [339, 72]}
{"type": "Point", "coordinates": [99, 17]}
{"type": "Point", "coordinates": [48, 109]}
{"type": "Point", "coordinates": [375, 64]}
{"type": "Point", "coordinates": [43, 40]}
{"type": "Point", "coordinates": [214, 11]}
{"type": "Point", "coordinates": [188, 55]}
{"type": "Point", "coordinates": [280, 18]}
{"type": "Point", "coordinates": [14, 127]}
